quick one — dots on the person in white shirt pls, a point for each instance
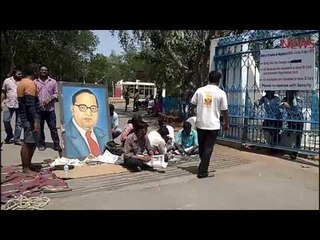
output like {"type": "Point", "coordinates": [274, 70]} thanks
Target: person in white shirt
{"type": "Point", "coordinates": [150, 107]}
{"type": "Point", "coordinates": [209, 100]}
{"type": "Point", "coordinates": [158, 140]}
{"type": "Point", "coordinates": [170, 135]}
{"type": "Point", "coordinates": [115, 130]}
{"type": "Point", "coordinates": [192, 120]}
{"type": "Point", "coordinates": [10, 106]}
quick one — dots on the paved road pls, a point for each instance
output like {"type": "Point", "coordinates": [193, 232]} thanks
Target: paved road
{"type": "Point", "coordinates": [261, 182]}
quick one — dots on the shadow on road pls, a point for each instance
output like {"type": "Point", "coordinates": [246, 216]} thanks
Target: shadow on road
{"type": "Point", "coordinates": [283, 154]}
{"type": "Point", "coordinates": [190, 169]}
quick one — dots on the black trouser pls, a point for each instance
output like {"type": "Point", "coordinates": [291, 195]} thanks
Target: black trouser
{"type": "Point", "coordinates": [132, 163]}
{"type": "Point", "coordinates": [135, 105]}
{"type": "Point", "coordinates": [299, 127]}
{"type": "Point", "coordinates": [50, 118]}
{"type": "Point", "coordinates": [273, 128]}
{"type": "Point", "coordinates": [127, 103]}
{"type": "Point", "coordinates": [207, 140]}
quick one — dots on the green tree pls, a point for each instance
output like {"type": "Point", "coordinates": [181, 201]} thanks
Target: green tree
{"type": "Point", "coordinates": [65, 52]}
{"type": "Point", "coordinates": [184, 54]}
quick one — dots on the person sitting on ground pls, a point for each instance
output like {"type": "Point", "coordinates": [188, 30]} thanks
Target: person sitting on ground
{"type": "Point", "coordinates": [115, 130]}
{"type": "Point", "coordinates": [192, 120]}
{"type": "Point", "coordinates": [137, 148]}
{"type": "Point", "coordinates": [128, 129]}
{"type": "Point", "coordinates": [158, 140]}
{"type": "Point", "coordinates": [170, 144]}
{"type": "Point", "coordinates": [186, 141]}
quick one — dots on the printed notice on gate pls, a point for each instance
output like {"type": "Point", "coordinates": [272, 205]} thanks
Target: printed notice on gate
{"type": "Point", "coordinates": [287, 69]}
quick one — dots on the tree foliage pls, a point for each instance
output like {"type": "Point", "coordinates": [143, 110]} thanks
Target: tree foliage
{"type": "Point", "coordinates": [179, 56]}
{"type": "Point", "coordinates": [65, 52]}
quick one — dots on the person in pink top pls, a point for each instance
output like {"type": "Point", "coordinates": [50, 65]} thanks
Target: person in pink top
{"type": "Point", "coordinates": [128, 129]}
{"type": "Point", "coordinates": [48, 95]}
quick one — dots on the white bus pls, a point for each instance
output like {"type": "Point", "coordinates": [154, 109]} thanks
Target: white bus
{"type": "Point", "coordinates": [145, 89]}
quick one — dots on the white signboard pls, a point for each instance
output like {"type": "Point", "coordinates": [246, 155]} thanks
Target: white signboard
{"type": "Point", "coordinates": [287, 69]}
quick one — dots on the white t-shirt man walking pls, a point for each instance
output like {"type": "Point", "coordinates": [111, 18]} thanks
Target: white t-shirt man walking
{"type": "Point", "coordinates": [210, 101]}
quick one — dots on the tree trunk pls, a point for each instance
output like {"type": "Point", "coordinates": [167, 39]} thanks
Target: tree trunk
{"type": "Point", "coordinates": [12, 62]}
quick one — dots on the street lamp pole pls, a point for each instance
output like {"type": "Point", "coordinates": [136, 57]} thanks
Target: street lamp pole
{"type": "Point", "coordinates": [112, 89]}
{"type": "Point", "coordinates": [102, 78]}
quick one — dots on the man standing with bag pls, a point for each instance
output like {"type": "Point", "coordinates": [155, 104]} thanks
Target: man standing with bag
{"type": "Point", "coordinates": [210, 100]}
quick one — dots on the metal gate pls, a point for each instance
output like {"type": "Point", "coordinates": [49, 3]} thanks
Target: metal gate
{"type": "Point", "coordinates": [238, 58]}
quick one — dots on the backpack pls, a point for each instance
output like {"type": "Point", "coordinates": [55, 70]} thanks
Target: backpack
{"type": "Point", "coordinates": [114, 148]}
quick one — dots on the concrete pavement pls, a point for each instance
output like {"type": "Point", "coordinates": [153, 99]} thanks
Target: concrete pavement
{"type": "Point", "coordinates": [265, 183]}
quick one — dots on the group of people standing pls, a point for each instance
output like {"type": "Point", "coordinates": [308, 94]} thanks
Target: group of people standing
{"type": "Point", "coordinates": [30, 94]}
{"type": "Point", "coordinates": [277, 110]}
{"type": "Point", "coordinates": [152, 104]}
{"type": "Point", "coordinates": [47, 90]}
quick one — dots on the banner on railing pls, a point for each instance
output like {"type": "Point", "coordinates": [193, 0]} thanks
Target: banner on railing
{"type": "Point", "coordinates": [287, 69]}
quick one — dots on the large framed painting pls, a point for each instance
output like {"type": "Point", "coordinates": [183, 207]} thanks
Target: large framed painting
{"type": "Point", "coordinates": [85, 119]}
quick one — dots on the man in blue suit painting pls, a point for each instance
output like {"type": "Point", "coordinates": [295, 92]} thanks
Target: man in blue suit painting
{"type": "Point", "coordinates": [82, 138]}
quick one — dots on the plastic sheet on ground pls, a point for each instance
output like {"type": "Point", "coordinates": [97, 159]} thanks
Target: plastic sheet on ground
{"type": "Point", "coordinates": [64, 161]}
